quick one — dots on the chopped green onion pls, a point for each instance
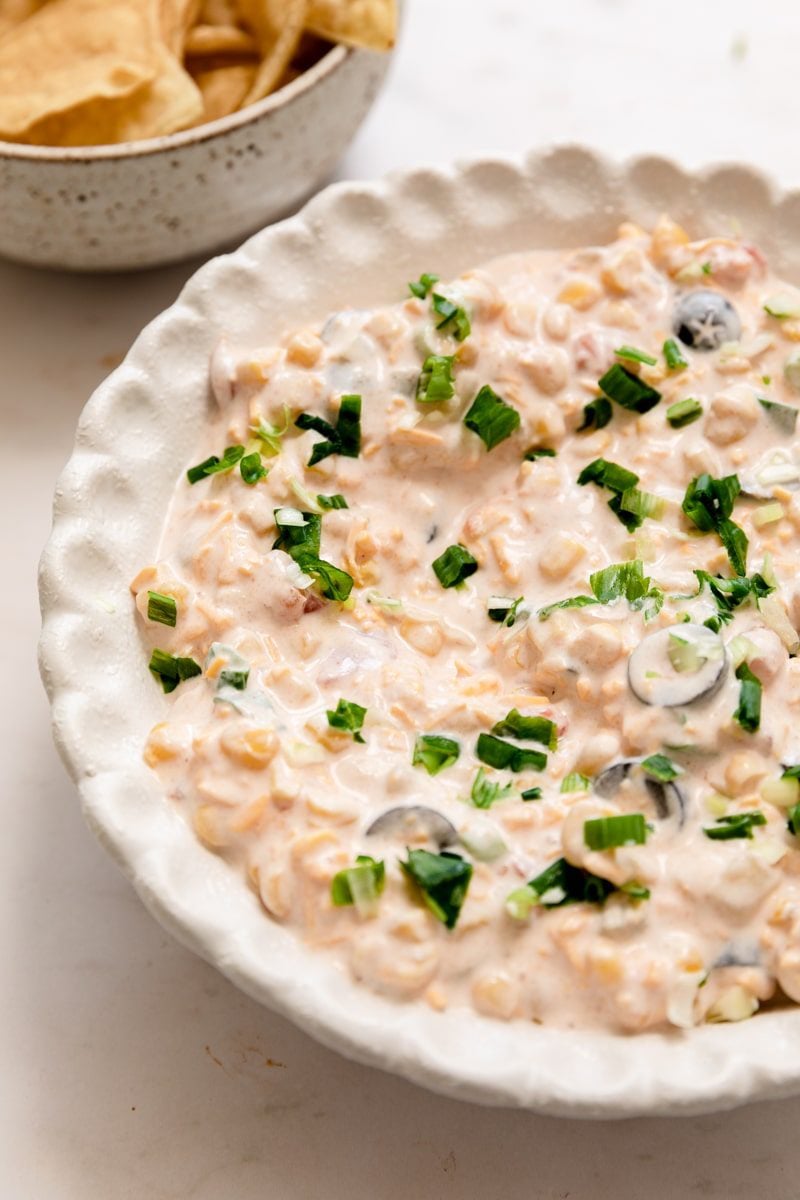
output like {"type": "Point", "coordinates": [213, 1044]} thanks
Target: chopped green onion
{"type": "Point", "coordinates": [659, 767]}
{"type": "Point", "coordinates": [360, 885]}
{"type": "Point", "coordinates": [708, 503]}
{"type": "Point", "coordinates": [596, 414]}
{"type": "Point", "coordinates": [683, 412]}
{"type": "Point", "coordinates": [163, 609]}
{"type": "Point", "coordinates": [538, 452]}
{"type": "Point", "coordinates": [606, 833]}
{"type": "Point", "coordinates": [573, 883]}
{"type": "Point", "coordinates": [527, 729]}
{"type": "Point", "coordinates": [503, 609]}
{"type": "Point", "coordinates": [608, 475]}
{"type": "Point", "coordinates": [628, 390]}
{"type": "Point", "coordinates": [298, 532]}
{"type": "Point", "coordinates": [335, 501]}
{"type": "Point", "coordinates": [570, 602]}
{"type": "Point", "coordinates": [251, 468]}
{"type": "Point", "coordinates": [491, 417]}
{"type": "Point", "coordinates": [629, 504]}
{"type": "Point", "coordinates": [575, 782]}
{"type": "Point", "coordinates": [731, 593]}
{"type": "Point", "coordinates": [269, 435]}
{"type": "Point", "coordinates": [673, 356]}
{"type": "Point", "coordinates": [783, 305]}
{"type": "Point", "coordinates": [443, 879]}
{"type": "Point", "coordinates": [484, 792]}
{"type": "Point", "coordinates": [215, 465]}
{"type": "Point", "coordinates": [344, 438]}
{"type": "Point", "coordinates": [783, 416]}
{"type": "Point", "coordinates": [748, 710]}
{"type": "Point", "coordinates": [333, 582]}
{"type": "Point", "coordinates": [634, 355]}
{"type": "Point", "coordinates": [454, 566]}
{"type": "Point", "coordinates": [421, 288]}
{"type": "Point", "coordinates": [706, 268]}
{"type": "Point", "coordinates": [793, 822]}
{"type": "Point", "coordinates": [532, 793]}
{"type": "Point", "coordinates": [497, 753]}
{"type": "Point", "coordinates": [635, 890]}
{"type": "Point", "coordinates": [170, 671]}
{"type": "Point", "coordinates": [640, 505]}
{"type": "Point", "coordinates": [454, 318]}
{"type": "Point", "coordinates": [435, 752]}
{"type": "Point", "coordinates": [768, 514]}
{"type": "Point", "coordinates": [347, 717]}
{"type": "Point", "coordinates": [436, 382]}
{"type": "Point", "coordinates": [737, 825]}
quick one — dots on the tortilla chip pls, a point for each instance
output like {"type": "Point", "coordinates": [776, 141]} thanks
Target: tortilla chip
{"type": "Point", "coordinates": [171, 102]}
{"type": "Point", "coordinates": [71, 52]}
{"type": "Point", "coordinates": [14, 11]}
{"type": "Point", "coordinates": [219, 39]}
{"type": "Point", "coordinates": [278, 27]}
{"type": "Point", "coordinates": [369, 24]}
{"type": "Point", "coordinates": [224, 89]}
{"type": "Point", "coordinates": [176, 17]}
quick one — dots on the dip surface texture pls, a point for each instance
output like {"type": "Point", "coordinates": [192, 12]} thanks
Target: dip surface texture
{"type": "Point", "coordinates": [429, 766]}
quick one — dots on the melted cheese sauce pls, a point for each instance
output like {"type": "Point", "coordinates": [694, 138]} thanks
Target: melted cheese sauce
{"type": "Point", "coordinates": [288, 799]}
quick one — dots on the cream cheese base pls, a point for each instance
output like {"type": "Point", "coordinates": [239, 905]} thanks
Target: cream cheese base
{"type": "Point", "coordinates": [287, 799]}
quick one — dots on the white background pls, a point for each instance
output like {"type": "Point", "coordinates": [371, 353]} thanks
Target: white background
{"type": "Point", "coordinates": [129, 1068]}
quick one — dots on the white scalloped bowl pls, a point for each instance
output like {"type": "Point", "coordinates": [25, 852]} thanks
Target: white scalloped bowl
{"type": "Point", "coordinates": [354, 244]}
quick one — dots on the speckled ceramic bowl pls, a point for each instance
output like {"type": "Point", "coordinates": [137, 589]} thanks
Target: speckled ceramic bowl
{"type": "Point", "coordinates": [141, 204]}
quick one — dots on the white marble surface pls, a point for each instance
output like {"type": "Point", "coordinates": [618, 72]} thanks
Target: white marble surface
{"type": "Point", "coordinates": [132, 1070]}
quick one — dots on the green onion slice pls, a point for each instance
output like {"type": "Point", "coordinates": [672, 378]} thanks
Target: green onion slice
{"type": "Point", "coordinates": [435, 752]}
{"type": "Point", "coordinates": [333, 582]}
{"type": "Point", "coordinates": [527, 729]}
{"type": "Point", "coordinates": [454, 318]}
{"type": "Point", "coordinates": [492, 418]}
{"type": "Point", "coordinates": [596, 414]}
{"type": "Point", "coordinates": [538, 452]}
{"type": "Point", "coordinates": [163, 609]}
{"type": "Point", "coordinates": [504, 610]}
{"type": "Point", "coordinates": [347, 717]}
{"type": "Point", "coordinates": [628, 390]}
{"type": "Point", "coordinates": [454, 565]}
{"type": "Point", "coordinates": [532, 793]}
{"type": "Point", "coordinates": [329, 502]}
{"type": "Point", "coordinates": [170, 671]}
{"type": "Point", "coordinates": [298, 532]}
{"type": "Point", "coordinates": [215, 465]}
{"type": "Point", "coordinates": [422, 287]}
{"type": "Point", "coordinates": [606, 833]}
{"type": "Point", "coordinates": [485, 792]}
{"type": "Point", "coordinates": [344, 438]}
{"type": "Point", "coordinates": [737, 825]}
{"type": "Point", "coordinates": [497, 753]}
{"type": "Point", "coordinates": [659, 767]}
{"type": "Point", "coordinates": [683, 412]}
{"type": "Point", "coordinates": [673, 355]}
{"type": "Point", "coordinates": [360, 885]}
{"type": "Point", "coordinates": [443, 880]}
{"type": "Point", "coordinates": [633, 355]}
{"type": "Point", "coordinates": [251, 468]}
{"type": "Point", "coordinates": [436, 382]}
{"type": "Point", "coordinates": [748, 711]}
{"type": "Point", "coordinates": [575, 782]}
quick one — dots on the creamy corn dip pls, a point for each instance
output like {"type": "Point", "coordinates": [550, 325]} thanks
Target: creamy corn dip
{"type": "Point", "coordinates": [478, 617]}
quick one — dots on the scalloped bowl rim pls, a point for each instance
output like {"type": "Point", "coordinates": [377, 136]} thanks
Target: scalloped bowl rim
{"type": "Point", "coordinates": [329, 62]}
{"type": "Point", "coordinates": [99, 730]}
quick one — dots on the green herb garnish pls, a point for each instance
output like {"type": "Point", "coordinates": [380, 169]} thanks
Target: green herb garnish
{"type": "Point", "coordinates": [532, 793]}
{"type": "Point", "coordinates": [422, 287]}
{"type": "Point", "coordinates": [443, 879]}
{"type": "Point", "coordinates": [163, 609]}
{"type": "Point", "coordinates": [170, 671]}
{"type": "Point", "coordinates": [606, 833]}
{"type": "Point", "coordinates": [673, 355]}
{"type": "Point", "coordinates": [628, 504]}
{"type": "Point", "coordinates": [504, 610]}
{"type": "Point", "coordinates": [628, 390]}
{"type": "Point", "coordinates": [596, 414]}
{"type": "Point", "coordinates": [748, 711]}
{"type": "Point", "coordinates": [359, 885]}
{"type": "Point", "coordinates": [497, 753]}
{"type": "Point", "coordinates": [527, 729]}
{"type": "Point", "coordinates": [737, 825]}
{"type": "Point", "coordinates": [491, 418]}
{"type": "Point", "coordinates": [659, 767]}
{"type": "Point", "coordinates": [454, 566]}
{"type": "Point", "coordinates": [347, 717]}
{"type": "Point", "coordinates": [298, 532]}
{"type": "Point", "coordinates": [619, 581]}
{"type": "Point", "coordinates": [333, 582]}
{"type": "Point", "coordinates": [329, 502]}
{"type": "Point", "coordinates": [633, 355]}
{"type": "Point", "coordinates": [575, 782]}
{"type": "Point", "coordinates": [538, 452]}
{"type": "Point", "coordinates": [344, 438]}
{"type": "Point", "coordinates": [436, 381]}
{"type": "Point", "coordinates": [793, 821]}
{"type": "Point", "coordinates": [216, 465]}
{"type": "Point", "coordinates": [729, 593]}
{"type": "Point", "coordinates": [454, 318]}
{"type": "Point", "coordinates": [251, 468]}
{"type": "Point", "coordinates": [484, 792]}
{"type": "Point", "coordinates": [435, 752]}
{"type": "Point", "coordinates": [683, 412]}
{"type": "Point", "coordinates": [708, 503]}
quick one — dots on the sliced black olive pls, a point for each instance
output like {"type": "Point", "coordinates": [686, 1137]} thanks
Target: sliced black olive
{"type": "Point", "coordinates": [704, 320]}
{"type": "Point", "coordinates": [668, 799]}
{"type": "Point", "coordinates": [408, 820]}
{"type": "Point", "coordinates": [678, 665]}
